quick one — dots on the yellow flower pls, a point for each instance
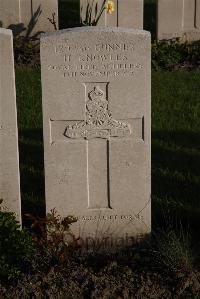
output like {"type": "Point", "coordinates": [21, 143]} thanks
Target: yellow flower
{"type": "Point", "coordinates": [109, 6]}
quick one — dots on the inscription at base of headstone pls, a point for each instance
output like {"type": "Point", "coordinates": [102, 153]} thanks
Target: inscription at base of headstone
{"type": "Point", "coordinates": [127, 13]}
{"type": "Point", "coordinates": [9, 157]}
{"type": "Point", "coordinates": [178, 19]}
{"type": "Point", "coordinates": [96, 114]}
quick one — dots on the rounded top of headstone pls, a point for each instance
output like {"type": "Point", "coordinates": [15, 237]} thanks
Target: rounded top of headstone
{"type": "Point", "coordinates": [96, 29]}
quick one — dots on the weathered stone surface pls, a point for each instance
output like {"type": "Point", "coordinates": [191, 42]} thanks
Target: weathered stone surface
{"type": "Point", "coordinates": [96, 113]}
{"type": "Point", "coordinates": [178, 18]}
{"type": "Point", "coordinates": [35, 13]}
{"type": "Point", "coordinates": [9, 158]}
{"type": "Point", "coordinates": [9, 12]}
{"type": "Point", "coordinates": [127, 13]}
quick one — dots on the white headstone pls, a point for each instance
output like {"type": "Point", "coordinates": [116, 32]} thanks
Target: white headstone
{"type": "Point", "coordinates": [178, 19]}
{"type": "Point", "coordinates": [9, 12]}
{"type": "Point", "coordinates": [127, 13]}
{"type": "Point", "coordinates": [9, 157]}
{"type": "Point", "coordinates": [96, 113]}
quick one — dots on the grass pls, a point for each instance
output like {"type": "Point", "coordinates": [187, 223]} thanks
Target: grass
{"type": "Point", "coordinates": [29, 104]}
{"type": "Point", "coordinates": [175, 145]}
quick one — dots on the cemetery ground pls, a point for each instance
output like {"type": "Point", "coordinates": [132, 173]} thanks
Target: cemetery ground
{"type": "Point", "coordinates": [168, 267]}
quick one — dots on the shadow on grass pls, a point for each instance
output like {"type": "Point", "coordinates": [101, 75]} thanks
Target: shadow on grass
{"type": "Point", "coordinates": [32, 171]}
{"type": "Point", "coordinates": [175, 177]}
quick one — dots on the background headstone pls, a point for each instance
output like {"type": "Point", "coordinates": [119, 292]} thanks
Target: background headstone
{"type": "Point", "coordinates": [37, 12]}
{"type": "Point", "coordinates": [9, 12]}
{"type": "Point", "coordinates": [9, 157]}
{"type": "Point", "coordinates": [127, 13]}
{"type": "Point", "coordinates": [96, 114]}
{"type": "Point", "coordinates": [189, 14]}
{"type": "Point", "coordinates": [178, 18]}
{"type": "Point", "coordinates": [169, 19]}
{"type": "Point", "coordinates": [19, 14]}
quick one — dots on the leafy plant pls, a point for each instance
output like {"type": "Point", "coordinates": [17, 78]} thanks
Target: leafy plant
{"type": "Point", "coordinates": [53, 235]}
{"type": "Point", "coordinates": [53, 21]}
{"type": "Point", "coordinates": [175, 250]}
{"type": "Point", "coordinates": [177, 257]}
{"type": "Point", "coordinates": [173, 54]}
{"type": "Point", "coordinates": [27, 51]}
{"type": "Point", "coordinates": [93, 12]}
{"type": "Point", "coordinates": [16, 246]}
{"type": "Point", "coordinates": [27, 45]}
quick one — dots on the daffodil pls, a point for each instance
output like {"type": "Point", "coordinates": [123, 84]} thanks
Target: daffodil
{"type": "Point", "coordinates": [109, 7]}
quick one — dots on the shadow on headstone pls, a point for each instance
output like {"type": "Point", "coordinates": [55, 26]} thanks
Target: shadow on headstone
{"type": "Point", "coordinates": [17, 29]}
{"type": "Point", "coordinates": [91, 15]}
{"type": "Point", "coordinates": [33, 21]}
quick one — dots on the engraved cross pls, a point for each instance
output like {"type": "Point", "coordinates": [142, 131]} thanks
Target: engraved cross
{"type": "Point", "coordinates": [97, 129]}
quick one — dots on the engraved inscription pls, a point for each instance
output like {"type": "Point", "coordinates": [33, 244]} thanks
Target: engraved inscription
{"type": "Point", "coordinates": [95, 61]}
{"type": "Point", "coordinates": [111, 217]}
{"type": "Point", "coordinates": [99, 122]}
{"type": "Point", "coordinates": [64, 47]}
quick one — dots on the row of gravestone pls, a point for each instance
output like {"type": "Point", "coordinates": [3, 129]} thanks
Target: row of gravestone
{"type": "Point", "coordinates": [96, 123]}
{"type": "Point", "coordinates": [34, 14]}
{"type": "Point", "coordinates": [175, 18]}
{"type": "Point", "coordinates": [178, 19]}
